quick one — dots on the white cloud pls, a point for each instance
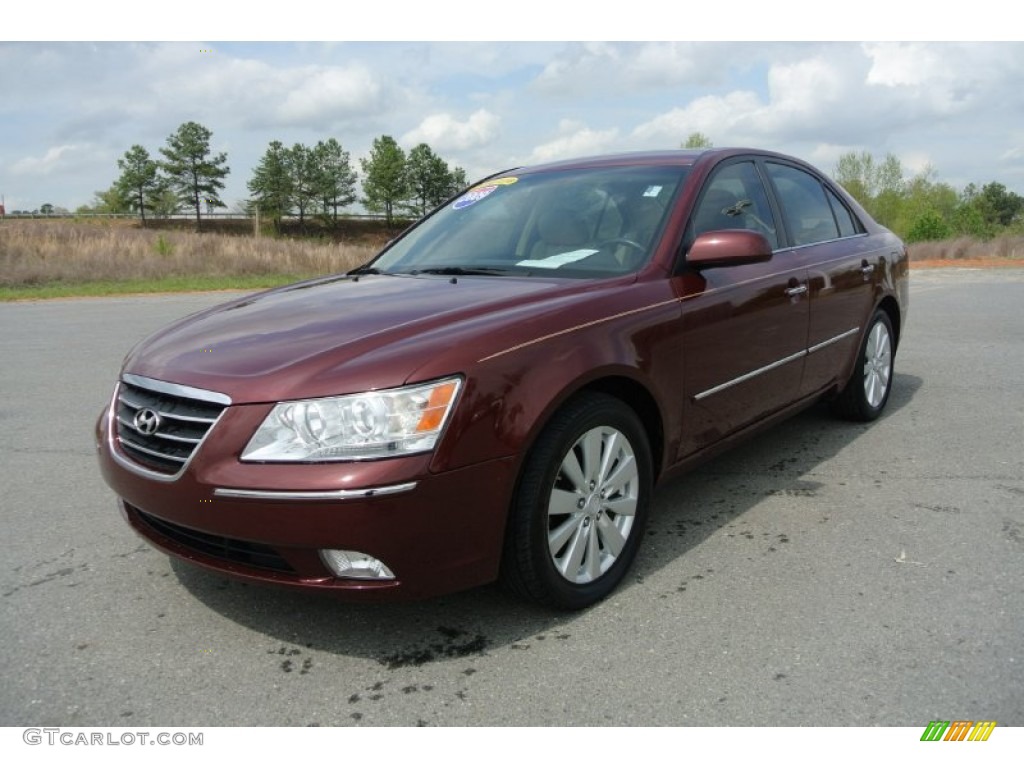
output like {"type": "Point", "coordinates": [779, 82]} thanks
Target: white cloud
{"type": "Point", "coordinates": [73, 109]}
{"type": "Point", "coordinates": [895, 64]}
{"type": "Point", "coordinates": [51, 161]}
{"type": "Point", "coordinates": [724, 118]}
{"type": "Point", "coordinates": [860, 95]}
{"type": "Point", "coordinates": [611, 68]}
{"type": "Point", "coordinates": [444, 132]}
{"type": "Point", "coordinates": [319, 94]}
{"type": "Point", "coordinates": [262, 94]}
{"type": "Point", "coordinates": [1013, 155]}
{"type": "Point", "coordinates": [805, 91]}
{"type": "Point", "coordinates": [577, 140]}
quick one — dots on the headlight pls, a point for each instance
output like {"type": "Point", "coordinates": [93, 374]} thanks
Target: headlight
{"type": "Point", "coordinates": [370, 425]}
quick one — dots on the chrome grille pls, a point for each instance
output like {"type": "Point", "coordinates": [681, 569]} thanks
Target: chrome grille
{"type": "Point", "coordinates": [160, 425]}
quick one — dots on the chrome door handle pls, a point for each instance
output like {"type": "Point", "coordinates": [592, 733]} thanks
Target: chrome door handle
{"type": "Point", "coordinates": [796, 290]}
{"type": "Point", "coordinates": [867, 269]}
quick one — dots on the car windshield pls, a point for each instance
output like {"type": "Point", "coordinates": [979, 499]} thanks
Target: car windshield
{"type": "Point", "coordinates": [590, 222]}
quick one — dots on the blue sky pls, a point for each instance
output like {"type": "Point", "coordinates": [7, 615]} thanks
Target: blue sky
{"type": "Point", "coordinates": [69, 110]}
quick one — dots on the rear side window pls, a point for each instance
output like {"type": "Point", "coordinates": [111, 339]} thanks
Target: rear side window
{"type": "Point", "coordinates": [805, 206]}
{"type": "Point", "coordinates": [847, 224]}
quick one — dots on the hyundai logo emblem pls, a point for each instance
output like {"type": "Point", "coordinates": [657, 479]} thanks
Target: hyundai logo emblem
{"type": "Point", "coordinates": [147, 421]}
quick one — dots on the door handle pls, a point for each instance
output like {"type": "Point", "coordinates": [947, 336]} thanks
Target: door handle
{"type": "Point", "coordinates": [796, 290]}
{"type": "Point", "coordinates": [866, 269]}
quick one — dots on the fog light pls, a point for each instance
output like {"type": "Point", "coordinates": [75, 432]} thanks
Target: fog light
{"type": "Point", "coordinates": [347, 564]}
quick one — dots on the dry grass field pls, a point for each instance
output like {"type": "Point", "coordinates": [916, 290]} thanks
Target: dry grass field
{"type": "Point", "coordinates": [46, 258]}
{"type": "Point", "coordinates": [1005, 250]}
{"type": "Point", "coordinates": [36, 253]}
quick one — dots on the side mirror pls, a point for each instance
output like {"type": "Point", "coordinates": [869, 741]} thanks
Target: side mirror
{"type": "Point", "coordinates": [728, 247]}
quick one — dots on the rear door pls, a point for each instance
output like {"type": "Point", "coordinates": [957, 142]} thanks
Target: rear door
{"type": "Point", "coordinates": [828, 241]}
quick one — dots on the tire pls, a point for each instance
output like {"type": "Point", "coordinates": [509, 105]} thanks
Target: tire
{"type": "Point", "coordinates": [578, 514]}
{"type": "Point", "coordinates": [866, 393]}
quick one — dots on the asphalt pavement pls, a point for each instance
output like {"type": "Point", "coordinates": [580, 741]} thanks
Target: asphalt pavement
{"type": "Point", "coordinates": [824, 573]}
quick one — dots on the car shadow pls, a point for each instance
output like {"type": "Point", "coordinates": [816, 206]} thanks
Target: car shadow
{"type": "Point", "coordinates": [685, 512]}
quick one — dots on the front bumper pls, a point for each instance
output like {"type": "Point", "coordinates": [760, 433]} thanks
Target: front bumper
{"type": "Point", "coordinates": [266, 523]}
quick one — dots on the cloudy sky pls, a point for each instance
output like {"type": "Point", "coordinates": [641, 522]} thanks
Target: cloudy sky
{"type": "Point", "coordinates": [69, 110]}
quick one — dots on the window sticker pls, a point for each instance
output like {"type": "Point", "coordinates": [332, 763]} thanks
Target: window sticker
{"type": "Point", "coordinates": [474, 195]}
{"type": "Point", "coordinates": [558, 260]}
{"type": "Point", "coordinates": [652, 191]}
{"type": "Point", "coordinates": [503, 181]}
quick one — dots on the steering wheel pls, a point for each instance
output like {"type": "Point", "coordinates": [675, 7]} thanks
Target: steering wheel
{"type": "Point", "coordinates": [622, 241]}
{"type": "Point", "coordinates": [622, 260]}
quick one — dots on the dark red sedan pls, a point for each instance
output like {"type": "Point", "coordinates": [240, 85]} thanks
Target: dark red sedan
{"type": "Point", "coordinates": [497, 393]}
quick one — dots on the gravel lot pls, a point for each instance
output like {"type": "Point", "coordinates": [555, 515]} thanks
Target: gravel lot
{"type": "Point", "coordinates": [823, 574]}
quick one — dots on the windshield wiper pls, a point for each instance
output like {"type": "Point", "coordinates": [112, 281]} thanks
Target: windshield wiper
{"type": "Point", "coordinates": [454, 270]}
{"type": "Point", "coordinates": [365, 270]}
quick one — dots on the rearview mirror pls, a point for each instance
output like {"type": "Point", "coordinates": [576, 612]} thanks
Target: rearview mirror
{"type": "Point", "coordinates": [728, 247]}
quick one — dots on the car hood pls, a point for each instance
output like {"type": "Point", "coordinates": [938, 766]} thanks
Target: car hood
{"type": "Point", "coordinates": [332, 336]}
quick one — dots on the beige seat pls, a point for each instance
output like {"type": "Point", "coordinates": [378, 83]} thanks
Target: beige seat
{"type": "Point", "coordinates": [560, 230]}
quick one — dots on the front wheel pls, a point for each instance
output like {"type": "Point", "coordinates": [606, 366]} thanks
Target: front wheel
{"type": "Point", "coordinates": [867, 392]}
{"type": "Point", "coordinates": [579, 510]}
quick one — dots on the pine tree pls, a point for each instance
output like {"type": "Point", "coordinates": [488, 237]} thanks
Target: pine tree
{"type": "Point", "coordinates": [140, 180]}
{"type": "Point", "coordinates": [384, 179]}
{"type": "Point", "coordinates": [193, 174]}
{"type": "Point", "coordinates": [271, 184]}
{"type": "Point", "coordinates": [336, 181]}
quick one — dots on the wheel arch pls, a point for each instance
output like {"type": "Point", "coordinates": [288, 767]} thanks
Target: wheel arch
{"type": "Point", "coordinates": [891, 307]}
{"type": "Point", "coordinates": [642, 402]}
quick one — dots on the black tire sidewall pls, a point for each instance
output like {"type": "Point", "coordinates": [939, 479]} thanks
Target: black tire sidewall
{"type": "Point", "coordinates": [868, 411]}
{"type": "Point", "coordinates": [540, 471]}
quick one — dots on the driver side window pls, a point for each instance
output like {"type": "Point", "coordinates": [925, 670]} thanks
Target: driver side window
{"type": "Point", "coordinates": [734, 198]}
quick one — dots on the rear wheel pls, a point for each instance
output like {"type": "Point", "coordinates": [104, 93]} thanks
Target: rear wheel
{"type": "Point", "coordinates": [867, 392]}
{"type": "Point", "coordinates": [579, 510]}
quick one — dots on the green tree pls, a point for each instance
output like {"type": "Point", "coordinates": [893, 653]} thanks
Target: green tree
{"type": "Point", "coordinates": [140, 180]}
{"type": "Point", "coordinates": [921, 195]}
{"type": "Point", "coordinates": [46, 209]}
{"type": "Point", "coordinates": [697, 140]}
{"type": "Point", "coordinates": [110, 200]}
{"type": "Point", "coordinates": [929, 225]}
{"type": "Point", "coordinates": [998, 205]}
{"type": "Point", "coordinates": [302, 170]}
{"type": "Point", "coordinates": [271, 183]}
{"type": "Point", "coordinates": [430, 180]}
{"type": "Point", "coordinates": [879, 187]}
{"type": "Point", "coordinates": [384, 180]}
{"type": "Point", "coordinates": [855, 173]}
{"type": "Point", "coordinates": [458, 181]}
{"type": "Point", "coordinates": [335, 179]}
{"type": "Point", "coordinates": [968, 220]}
{"type": "Point", "coordinates": [193, 173]}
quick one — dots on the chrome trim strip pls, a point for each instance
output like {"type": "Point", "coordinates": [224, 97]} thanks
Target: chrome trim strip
{"type": "Point", "coordinates": [164, 435]}
{"type": "Point", "coordinates": [179, 390]}
{"type": "Point", "coordinates": [339, 495]}
{"type": "Point", "coordinates": [151, 452]}
{"type": "Point", "coordinates": [776, 364]}
{"type": "Point", "coordinates": [833, 340]}
{"type": "Point", "coordinates": [748, 376]}
{"type": "Point", "coordinates": [821, 242]}
{"type": "Point", "coordinates": [177, 417]}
